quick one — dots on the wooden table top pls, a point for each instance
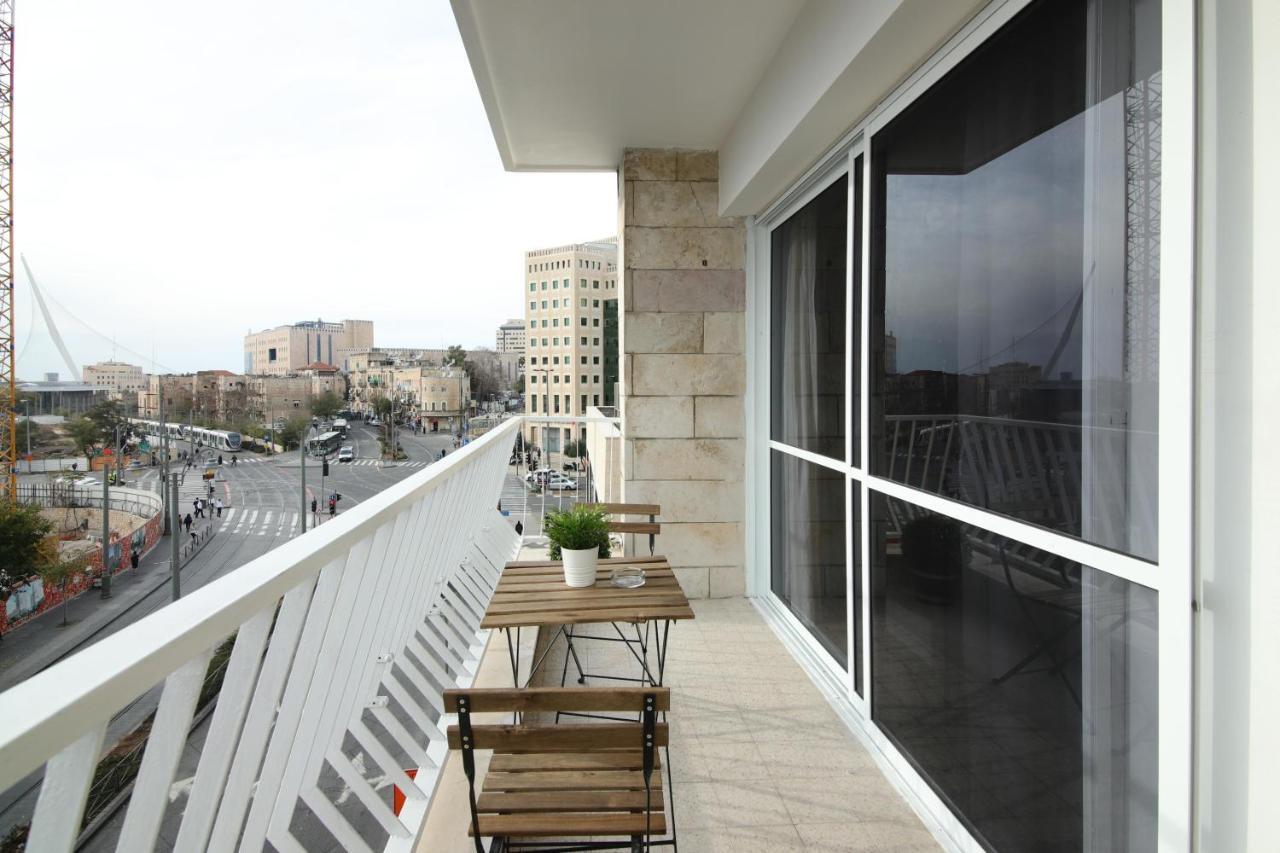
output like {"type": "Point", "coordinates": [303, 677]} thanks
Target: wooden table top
{"type": "Point", "coordinates": [533, 593]}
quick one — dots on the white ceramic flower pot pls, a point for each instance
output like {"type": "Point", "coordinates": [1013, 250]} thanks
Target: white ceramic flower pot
{"type": "Point", "coordinates": [580, 566]}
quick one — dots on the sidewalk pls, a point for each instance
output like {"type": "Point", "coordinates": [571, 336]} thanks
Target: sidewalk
{"type": "Point", "coordinates": [39, 643]}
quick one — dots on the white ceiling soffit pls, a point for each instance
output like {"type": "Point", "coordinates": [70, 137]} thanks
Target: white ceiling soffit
{"type": "Point", "coordinates": [567, 84]}
{"type": "Point", "coordinates": [771, 84]}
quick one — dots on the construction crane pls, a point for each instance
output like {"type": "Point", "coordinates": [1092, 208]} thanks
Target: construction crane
{"type": "Point", "coordinates": [8, 375]}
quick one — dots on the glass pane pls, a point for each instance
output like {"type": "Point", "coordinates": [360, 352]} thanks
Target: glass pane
{"type": "Point", "coordinates": [808, 542]}
{"type": "Point", "coordinates": [1022, 685]}
{"type": "Point", "coordinates": [808, 324]}
{"type": "Point", "coordinates": [1016, 276]}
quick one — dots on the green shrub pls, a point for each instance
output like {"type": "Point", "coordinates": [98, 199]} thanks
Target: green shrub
{"type": "Point", "coordinates": [577, 528]}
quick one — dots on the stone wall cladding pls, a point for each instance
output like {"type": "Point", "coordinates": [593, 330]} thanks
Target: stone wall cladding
{"type": "Point", "coordinates": [684, 369]}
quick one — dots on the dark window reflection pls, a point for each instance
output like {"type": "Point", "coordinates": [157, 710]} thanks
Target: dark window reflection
{"type": "Point", "coordinates": [808, 255]}
{"type": "Point", "coordinates": [808, 542]}
{"type": "Point", "coordinates": [1016, 276]}
{"type": "Point", "coordinates": [1022, 685]}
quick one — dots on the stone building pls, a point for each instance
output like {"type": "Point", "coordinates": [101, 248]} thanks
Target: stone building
{"type": "Point", "coordinates": [285, 349]}
{"type": "Point", "coordinates": [511, 337]}
{"type": "Point", "coordinates": [566, 289]}
{"type": "Point", "coordinates": [123, 381]}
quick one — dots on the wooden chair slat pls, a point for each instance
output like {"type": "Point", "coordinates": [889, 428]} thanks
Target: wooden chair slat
{"type": "Point", "coordinates": [501, 699]}
{"type": "Point", "coordinates": [635, 527]}
{"type": "Point", "coordinates": [557, 738]}
{"type": "Point", "coordinates": [558, 825]}
{"type": "Point", "coordinates": [629, 509]}
{"type": "Point", "coordinates": [570, 780]}
{"type": "Point", "coordinates": [524, 762]}
{"type": "Point", "coordinates": [570, 801]}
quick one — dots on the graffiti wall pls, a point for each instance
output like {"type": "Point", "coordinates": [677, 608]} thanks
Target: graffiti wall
{"type": "Point", "coordinates": [27, 601]}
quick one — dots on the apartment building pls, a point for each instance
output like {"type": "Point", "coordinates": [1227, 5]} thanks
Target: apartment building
{"type": "Point", "coordinates": [177, 390]}
{"type": "Point", "coordinates": [123, 381]}
{"type": "Point", "coordinates": [568, 290]}
{"type": "Point", "coordinates": [511, 337]}
{"type": "Point", "coordinates": [286, 349]}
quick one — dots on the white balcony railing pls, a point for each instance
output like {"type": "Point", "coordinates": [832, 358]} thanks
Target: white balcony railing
{"type": "Point", "coordinates": [344, 641]}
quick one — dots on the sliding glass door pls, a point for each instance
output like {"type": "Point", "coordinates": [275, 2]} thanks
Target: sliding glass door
{"type": "Point", "coordinates": [964, 461]}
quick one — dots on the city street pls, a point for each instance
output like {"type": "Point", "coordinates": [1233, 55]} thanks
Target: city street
{"type": "Point", "coordinates": [263, 502]}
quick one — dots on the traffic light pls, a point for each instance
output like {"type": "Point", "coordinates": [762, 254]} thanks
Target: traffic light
{"type": "Point", "coordinates": [324, 468]}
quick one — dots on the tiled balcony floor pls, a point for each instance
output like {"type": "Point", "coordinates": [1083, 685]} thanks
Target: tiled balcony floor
{"type": "Point", "coordinates": [760, 761]}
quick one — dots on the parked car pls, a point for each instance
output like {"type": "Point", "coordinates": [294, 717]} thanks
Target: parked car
{"type": "Point", "coordinates": [346, 454]}
{"type": "Point", "coordinates": [548, 479]}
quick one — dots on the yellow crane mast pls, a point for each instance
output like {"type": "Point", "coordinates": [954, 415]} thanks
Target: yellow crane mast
{"type": "Point", "coordinates": [8, 375]}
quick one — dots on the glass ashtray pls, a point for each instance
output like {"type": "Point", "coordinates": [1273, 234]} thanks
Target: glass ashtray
{"type": "Point", "coordinates": [627, 577]}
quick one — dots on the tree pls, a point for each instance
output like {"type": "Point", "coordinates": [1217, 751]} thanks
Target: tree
{"type": "Point", "coordinates": [108, 415]}
{"type": "Point", "coordinates": [56, 572]}
{"type": "Point", "coordinates": [326, 405]}
{"type": "Point", "coordinates": [456, 356]}
{"type": "Point", "coordinates": [382, 406]}
{"type": "Point", "coordinates": [85, 434]}
{"type": "Point", "coordinates": [295, 429]}
{"type": "Point", "coordinates": [519, 386]}
{"type": "Point", "coordinates": [22, 528]}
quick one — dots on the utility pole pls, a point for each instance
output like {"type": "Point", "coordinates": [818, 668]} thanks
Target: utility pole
{"type": "Point", "coordinates": [302, 455]}
{"type": "Point", "coordinates": [26, 405]}
{"type": "Point", "coordinates": [164, 466]}
{"type": "Point", "coordinates": [106, 532]}
{"type": "Point", "coordinates": [175, 569]}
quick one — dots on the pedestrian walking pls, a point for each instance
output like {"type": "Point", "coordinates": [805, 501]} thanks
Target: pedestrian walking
{"type": "Point", "coordinates": [187, 521]}
{"type": "Point", "coordinates": [333, 507]}
{"type": "Point", "coordinates": [211, 490]}
{"type": "Point", "coordinates": [133, 559]}
{"type": "Point", "coordinates": [217, 505]}
{"type": "Point", "coordinates": [219, 458]}
{"type": "Point", "coordinates": [195, 507]}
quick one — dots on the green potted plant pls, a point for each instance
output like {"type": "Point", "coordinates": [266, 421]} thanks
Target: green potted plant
{"type": "Point", "coordinates": [579, 536]}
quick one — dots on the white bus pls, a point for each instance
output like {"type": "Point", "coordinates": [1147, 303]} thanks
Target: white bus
{"type": "Point", "coordinates": [340, 426]}
{"type": "Point", "coordinates": [324, 444]}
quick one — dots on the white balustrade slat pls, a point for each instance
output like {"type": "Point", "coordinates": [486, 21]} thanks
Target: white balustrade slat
{"type": "Point", "coordinates": [55, 824]}
{"type": "Point", "coordinates": [329, 682]}
{"type": "Point", "coordinates": [302, 675]}
{"type": "Point", "coordinates": [402, 736]}
{"type": "Point", "coordinates": [396, 690]}
{"type": "Point", "coordinates": [377, 751]}
{"type": "Point", "coordinates": [165, 743]}
{"type": "Point", "coordinates": [429, 662]}
{"type": "Point", "coordinates": [389, 576]}
{"type": "Point", "coordinates": [262, 709]}
{"type": "Point", "coordinates": [228, 718]}
{"type": "Point", "coordinates": [364, 792]}
{"type": "Point", "coordinates": [415, 677]}
{"type": "Point", "coordinates": [333, 821]}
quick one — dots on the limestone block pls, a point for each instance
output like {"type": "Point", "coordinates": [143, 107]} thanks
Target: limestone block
{"type": "Point", "coordinates": [659, 417]}
{"type": "Point", "coordinates": [691, 500]}
{"type": "Point", "coordinates": [718, 417]}
{"type": "Point", "coordinates": [649, 164]}
{"type": "Point", "coordinates": [688, 459]}
{"type": "Point", "coordinates": [647, 332]}
{"type": "Point", "coordinates": [726, 581]}
{"type": "Point", "coordinates": [724, 331]}
{"type": "Point", "coordinates": [693, 581]}
{"type": "Point", "coordinates": [657, 204]}
{"type": "Point", "coordinates": [688, 290]}
{"type": "Point", "coordinates": [661, 374]}
{"type": "Point", "coordinates": [702, 544]}
{"type": "Point", "coordinates": [685, 248]}
{"type": "Point", "coordinates": [697, 165]}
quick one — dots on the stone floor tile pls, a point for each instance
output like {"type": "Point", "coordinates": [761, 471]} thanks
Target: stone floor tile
{"type": "Point", "coordinates": [734, 839]}
{"type": "Point", "coordinates": [749, 801]}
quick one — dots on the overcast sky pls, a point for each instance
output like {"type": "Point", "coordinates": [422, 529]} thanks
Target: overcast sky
{"type": "Point", "coordinates": [185, 172]}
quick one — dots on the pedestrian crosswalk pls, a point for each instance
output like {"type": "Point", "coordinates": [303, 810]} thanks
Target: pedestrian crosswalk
{"type": "Point", "coordinates": [404, 463]}
{"type": "Point", "coordinates": [250, 521]}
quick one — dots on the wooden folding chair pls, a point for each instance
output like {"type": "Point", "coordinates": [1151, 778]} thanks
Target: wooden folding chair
{"type": "Point", "coordinates": [651, 527]}
{"type": "Point", "coordinates": [564, 787]}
